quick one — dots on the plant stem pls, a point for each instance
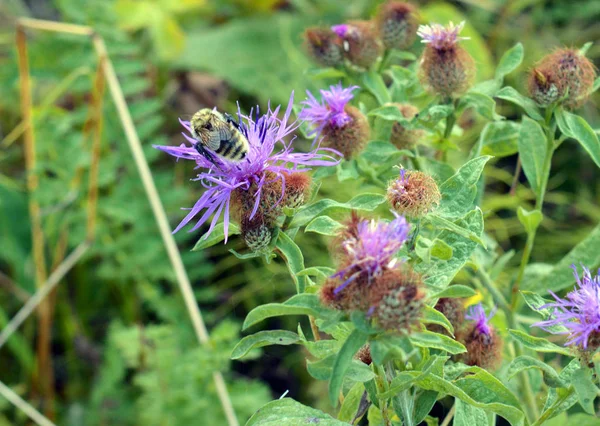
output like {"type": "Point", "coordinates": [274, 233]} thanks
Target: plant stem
{"type": "Point", "coordinates": [538, 206]}
{"type": "Point", "coordinates": [550, 411]}
{"type": "Point", "coordinates": [449, 416]}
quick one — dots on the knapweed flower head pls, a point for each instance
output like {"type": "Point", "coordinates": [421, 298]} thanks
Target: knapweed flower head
{"type": "Point", "coordinates": [397, 24]}
{"type": "Point", "coordinates": [336, 123]}
{"type": "Point", "coordinates": [445, 68]}
{"type": "Point", "coordinates": [440, 37]}
{"type": "Point", "coordinates": [565, 73]}
{"type": "Point", "coordinates": [265, 169]}
{"type": "Point", "coordinates": [324, 46]}
{"type": "Point", "coordinates": [484, 346]}
{"type": "Point", "coordinates": [579, 312]}
{"type": "Point", "coordinates": [402, 137]}
{"type": "Point", "coordinates": [413, 194]}
{"type": "Point", "coordinates": [360, 41]}
{"type": "Point", "coordinates": [372, 249]}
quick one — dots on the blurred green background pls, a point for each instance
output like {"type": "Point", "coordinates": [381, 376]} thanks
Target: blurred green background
{"type": "Point", "coordinates": [122, 347]}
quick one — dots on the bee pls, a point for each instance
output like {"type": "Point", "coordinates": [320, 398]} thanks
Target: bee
{"type": "Point", "coordinates": [219, 134]}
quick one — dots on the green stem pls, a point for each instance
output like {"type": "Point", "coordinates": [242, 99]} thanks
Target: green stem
{"type": "Point", "coordinates": [450, 120]}
{"type": "Point", "coordinates": [539, 203]}
{"type": "Point", "coordinates": [384, 61]}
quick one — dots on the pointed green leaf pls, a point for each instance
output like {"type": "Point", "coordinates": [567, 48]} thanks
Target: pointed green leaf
{"type": "Point", "coordinates": [511, 95]}
{"type": "Point", "coordinates": [432, 316]}
{"type": "Point", "coordinates": [287, 412]}
{"type": "Point", "coordinates": [429, 339]}
{"type": "Point", "coordinates": [216, 236]}
{"type": "Point", "coordinates": [535, 302]}
{"type": "Point", "coordinates": [551, 377]}
{"type": "Point", "coordinates": [351, 402]}
{"type": "Point", "coordinates": [499, 138]}
{"type": "Point", "coordinates": [532, 151]}
{"type": "Point", "coordinates": [510, 61]}
{"type": "Point", "coordinates": [456, 290]}
{"type": "Point", "coordinates": [442, 223]}
{"type": "Point", "coordinates": [576, 127]}
{"type": "Point", "coordinates": [468, 415]}
{"type": "Point", "coordinates": [263, 338]}
{"type": "Point", "coordinates": [300, 304]}
{"type": "Point", "coordinates": [374, 83]}
{"type": "Point", "coordinates": [294, 260]}
{"type": "Point", "coordinates": [324, 225]}
{"type": "Point", "coordinates": [538, 344]}
{"type": "Point", "coordinates": [342, 362]}
{"type": "Point", "coordinates": [586, 389]}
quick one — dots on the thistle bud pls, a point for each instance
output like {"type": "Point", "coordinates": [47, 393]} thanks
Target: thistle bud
{"type": "Point", "coordinates": [453, 310]}
{"type": "Point", "coordinates": [566, 72]}
{"type": "Point", "coordinates": [484, 346]}
{"type": "Point", "coordinates": [413, 194]}
{"type": "Point", "coordinates": [297, 189]}
{"type": "Point", "coordinates": [402, 137]}
{"type": "Point", "coordinates": [360, 42]}
{"type": "Point", "coordinates": [324, 46]}
{"type": "Point", "coordinates": [364, 355]}
{"type": "Point", "coordinates": [256, 233]}
{"type": "Point", "coordinates": [397, 24]}
{"type": "Point", "coordinates": [445, 68]}
{"type": "Point", "coordinates": [396, 299]}
{"type": "Point", "coordinates": [246, 207]}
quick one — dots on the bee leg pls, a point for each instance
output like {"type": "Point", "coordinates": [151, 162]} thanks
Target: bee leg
{"type": "Point", "coordinates": [206, 154]}
{"type": "Point", "coordinates": [231, 120]}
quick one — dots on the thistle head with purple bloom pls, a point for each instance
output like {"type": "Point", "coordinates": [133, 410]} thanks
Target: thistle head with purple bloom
{"type": "Point", "coordinates": [578, 311]}
{"type": "Point", "coordinates": [482, 321]}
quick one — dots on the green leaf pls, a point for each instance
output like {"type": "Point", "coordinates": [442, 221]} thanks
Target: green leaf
{"type": "Point", "coordinates": [535, 302]}
{"type": "Point", "coordinates": [510, 61]}
{"type": "Point", "coordinates": [423, 405]}
{"type": "Point", "coordinates": [529, 219]}
{"type": "Point", "coordinates": [532, 151]}
{"type": "Point", "coordinates": [374, 83]}
{"type": "Point", "coordinates": [480, 390]}
{"type": "Point", "coordinates": [294, 260]}
{"type": "Point", "coordinates": [300, 304]}
{"type": "Point", "coordinates": [586, 389]}
{"type": "Point", "coordinates": [511, 95]}
{"type": "Point", "coordinates": [499, 138]}
{"type": "Point", "coordinates": [323, 73]}
{"type": "Point", "coordinates": [406, 379]}
{"type": "Point", "coordinates": [324, 225]}
{"type": "Point", "coordinates": [351, 402]}
{"type": "Point", "coordinates": [366, 202]}
{"type": "Point", "coordinates": [456, 290]}
{"type": "Point", "coordinates": [467, 415]}
{"type": "Point", "coordinates": [483, 104]}
{"type": "Point", "coordinates": [429, 339]}
{"type": "Point", "coordinates": [459, 191]}
{"type": "Point", "coordinates": [216, 236]}
{"type": "Point", "coordinates": [342, 362]}
{"type": "Point", "coordinates": [390, 113]}
{"type": "Point", "coordinates": [317, 271]}
{"type": "Point", "coordinates": [551, 377]}
{"type": "Point", "coordinates": [263, 338]}
{"type": "Point", "coordinates": [323, 369]}
{"type": "Point", "coordinates": [287, 412]}
{"type": "Point", "coordinates": [538, 344]}
{"type": "Point", "coordinates": [441, 272]}
{"type": "Point", "coordinates": [432, 316]}
{"type": "Point", "coordinates": [576, 127]}
{"type": "Point", "coordinates": [379, 153]}
{"type": "Point", "coordinates": [587, 252]}
{"type": "Point", "coordinates": [442, 223]}
{"type": "Point", "coordinates": [432, 115]}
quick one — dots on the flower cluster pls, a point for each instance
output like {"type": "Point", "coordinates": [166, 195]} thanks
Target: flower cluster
{"type": "Point", "coordinates": [445, 67]}
{"type": "Point", "coordinates": [260, 185]}
{"type": "Point", "coordinates": [579, 312]}
{"type": "Point", "coordinates": [339, 125]}
{"type": "Point", "coordinates": [567, 74]}
{"type": "Point", "coordinates": [370, 278]}
{"type": "Point", "coordinates": [362, 43]}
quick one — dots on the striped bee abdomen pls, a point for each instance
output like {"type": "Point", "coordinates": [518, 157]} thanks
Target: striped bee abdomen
{"type": "Point", "coordinates": [234, 148]}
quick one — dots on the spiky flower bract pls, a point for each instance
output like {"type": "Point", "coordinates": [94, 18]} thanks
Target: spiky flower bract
{"type": "Point", "coordinates": [269, 162]}
{"type": "Point", "coordinates": [372, 250]}
{"type": "Point", "coordinates": [362, 46]}
{"type": "Point", "coordinates": [413, 194]}
{"type": "Point", "coordinates": [484, 346]}
{"type": "Point", "coordinates": [579, 311]}
{"type": "Point", "coordinates": [565, 73]}
{"type": "Point", "coordinates": [397, 24]}
{"type": "Point", "coordinates": [324, 46]}
{"type": "Point", "coordinates": [445, 67]}
{"type": "Point", "coordinates": [401, 136]}
{"type": "Point", "coordinates": [341, 126]}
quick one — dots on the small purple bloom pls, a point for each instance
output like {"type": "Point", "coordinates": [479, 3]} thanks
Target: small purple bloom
{"type": "Point", "coordinates": [374, 248]}
{"type": "Point", "coordinates": [477, 313]}
{"type": "Point", "coordinates": [268, 151]}
{"type": "Point", "coordinates": [440, 37]}
{"type": "Point", "coordinates": [341, 30]}
{"type": "Point", "coordinates": [579, 311]}
{"type": "Point", "coordinates": [331, 111]}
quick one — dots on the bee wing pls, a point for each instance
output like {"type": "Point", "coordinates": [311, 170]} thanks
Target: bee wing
{"type": "Point", "coordinates": [211, 140]}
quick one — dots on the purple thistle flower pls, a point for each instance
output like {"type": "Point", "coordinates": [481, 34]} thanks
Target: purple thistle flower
{"type": "Point", "coordinates": [374, 248]}
{"type": "Point", "coordinates": [341, 30]}
{"type": "Point", "coordinates": [268, 152]}
{"type": "Point", "coordinates": [579, 311]}
{"type": "Point", "coordinates": [477, 313]}
{"type": "Point", "coordinates": [440, 37]}
{"type": "Point", "coordinates": [332, 109]}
